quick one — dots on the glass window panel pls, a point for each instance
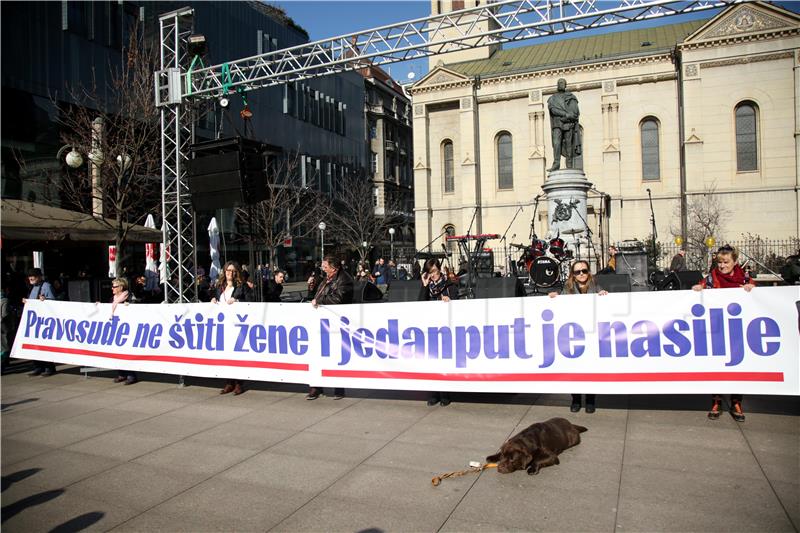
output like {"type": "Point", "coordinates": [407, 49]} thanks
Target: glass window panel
{"type": "Point", "coordinates": [651, 165]}
{"type": "Point", "coordinates": [505, 170]}
{"type": "Point", "coordinates": [746, 140]}
{"type": "Point", "coordinates": [449, 179]}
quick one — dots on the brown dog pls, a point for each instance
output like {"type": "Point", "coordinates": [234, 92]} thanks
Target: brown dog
{"type": "Point", "coordinates": [537, 446]}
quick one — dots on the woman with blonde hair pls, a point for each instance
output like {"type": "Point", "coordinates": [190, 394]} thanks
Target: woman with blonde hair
{"type": "Point", "coordinates": [726, 274]}
{"type": "Point", "coordinates": [581, 281]}
{"type": "Point", "coordinates": [230, 289]}
{"type": "Point", "coordinates": [121, 295]}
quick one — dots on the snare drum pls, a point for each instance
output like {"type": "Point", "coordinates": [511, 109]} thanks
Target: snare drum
{"type": "Point", "coordinates": [557, 247]}
{"type": "Point", "coordinates": [544, 272]}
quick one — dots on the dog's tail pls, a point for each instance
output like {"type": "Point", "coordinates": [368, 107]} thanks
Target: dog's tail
{"type": "Point", "coordinates": [580, 429]}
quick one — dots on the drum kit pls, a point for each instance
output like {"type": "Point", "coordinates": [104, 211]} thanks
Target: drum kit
{"type": "Point", "coordinates": [541, 269]}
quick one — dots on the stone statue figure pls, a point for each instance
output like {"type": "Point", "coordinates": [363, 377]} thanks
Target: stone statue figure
{"type": "Point", "coordinates": [564, 113]}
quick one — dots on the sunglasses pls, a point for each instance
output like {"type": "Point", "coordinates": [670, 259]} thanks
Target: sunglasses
{"type": "Point", "coordinates": [581, 271]}
{"type": "Point", "coordinates": [116, 286]}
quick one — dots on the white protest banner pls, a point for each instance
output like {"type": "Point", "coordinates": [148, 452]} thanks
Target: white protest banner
{"type": "Point", "coordinates": [714, 341]}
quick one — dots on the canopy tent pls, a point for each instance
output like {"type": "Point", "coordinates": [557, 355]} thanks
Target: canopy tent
{"type": "Point", "coordinates": [36, 222]}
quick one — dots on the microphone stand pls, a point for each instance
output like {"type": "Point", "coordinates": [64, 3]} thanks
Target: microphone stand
{"type": "Point", "coordinates": [505, 246]}
{"type": "Point", "coordinates": [588, 231]}
{"type": "Point", "coordinates": [428, 246]}
{"type": "Point", "coordinates": [533, 219]}
{"type": "Point", "coordinates": [652, 227]}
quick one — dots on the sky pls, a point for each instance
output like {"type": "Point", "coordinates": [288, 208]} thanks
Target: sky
{"type": "Point", "coordinates": [331, 18]}
{"type": "Point", "coordinates": [323, 19]}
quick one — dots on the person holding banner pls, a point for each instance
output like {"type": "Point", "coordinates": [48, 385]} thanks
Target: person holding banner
{"type": "Point", "coordinates": [121, 295]}
{"type": "Point", "coordinates": [335, 288]}
{"type": "Point", "coordinates": [230, 289]}
{"type": "Point", "coordinates": [437, 286]}
{"type": "Point", "coordinates": [726, 274]}
{"type": "Point", "coordinates": [581, 281]}
{"type": "Point", "coordinates": [43, 291]}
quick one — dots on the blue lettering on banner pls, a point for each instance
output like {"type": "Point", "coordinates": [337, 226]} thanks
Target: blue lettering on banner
{"type": "Point", "coordinates": [718, 333]}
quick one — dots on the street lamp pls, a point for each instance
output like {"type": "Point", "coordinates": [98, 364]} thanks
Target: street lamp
{"type": "Point", "coordinates": [322, 240]}
{"type": "Point", "coordinates": [391, 244]}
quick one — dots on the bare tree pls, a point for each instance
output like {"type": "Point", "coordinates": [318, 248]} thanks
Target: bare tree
{"type": "Point", "coordinates": [705, 218]}
{"type": "Point", "coordinates": [354, 220]}
{"type": "Point", "coordinates": [290, 210]}
{"type": "Point", "coordinates": [116, 127]}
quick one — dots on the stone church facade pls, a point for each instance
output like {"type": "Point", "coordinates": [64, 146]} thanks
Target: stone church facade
{"type": "Point", "coordinates": [685, 110]}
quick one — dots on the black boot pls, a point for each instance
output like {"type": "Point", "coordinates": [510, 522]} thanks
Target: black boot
{"type": "Point", "coordinates": [576, 403]}
{"type": "Point", "coordinates": [433, 398]}
{"type": "Point", "coordinates": [590, 403]}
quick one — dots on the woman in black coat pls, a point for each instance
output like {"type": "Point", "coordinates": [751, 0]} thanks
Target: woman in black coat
{"type": "Point", "coordinates": [436, 286]}
{"type": "Point", "coordinates": [230, 289]}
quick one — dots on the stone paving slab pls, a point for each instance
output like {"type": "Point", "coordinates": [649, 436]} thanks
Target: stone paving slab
{"type": "Point", "coordinates": [82, 453]}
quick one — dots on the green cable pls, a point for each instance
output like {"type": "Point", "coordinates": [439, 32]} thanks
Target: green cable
{"type": "Point", "coordinates": [226, 78]}
{"type": "Point", "coordinates": [189, 74]}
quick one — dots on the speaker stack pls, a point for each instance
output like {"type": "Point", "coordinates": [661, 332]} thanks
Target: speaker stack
{"type": "Point", "coordinates": [227, 173]}
{"type": "Point", "coordinates": [499, 288]}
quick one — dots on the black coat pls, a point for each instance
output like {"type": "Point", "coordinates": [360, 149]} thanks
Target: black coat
{"type": "Point", "coordinates": [450, 289]}
{"type": "Point", "coordinates": [338, 290]}
{"type": "Point", "coordinates": [242, 293]}
{"type": "Point", "coordinates": [272, 291]}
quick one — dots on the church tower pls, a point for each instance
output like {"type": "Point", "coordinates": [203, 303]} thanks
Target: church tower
{"type": "Point", "coordinates": [439, 7]}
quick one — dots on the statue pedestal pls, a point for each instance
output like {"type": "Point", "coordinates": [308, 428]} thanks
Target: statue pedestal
{"type": "Point", "coordinates": [566, 207]}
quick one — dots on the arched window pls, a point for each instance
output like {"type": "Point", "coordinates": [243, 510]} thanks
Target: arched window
{"type": "Point", "coordinates": [746, 137]}
{"type": "Point", "coordinates": [505, 167]}
{"type": "Point", "coordinates": [449, 231]}
{"type": "Point", "coordinates": [447, 166]}
{"type": "Point", "coordinates": [651, 165]}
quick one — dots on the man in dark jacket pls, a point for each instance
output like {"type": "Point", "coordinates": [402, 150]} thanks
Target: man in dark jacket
{"type": "Point", "coordinates": [335, 288]}
{"type": "Point", "coordinates": [274, 287]}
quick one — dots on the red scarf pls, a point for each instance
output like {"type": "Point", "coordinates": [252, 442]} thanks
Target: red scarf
{"type": "Point", "coordinates": [726, 281]}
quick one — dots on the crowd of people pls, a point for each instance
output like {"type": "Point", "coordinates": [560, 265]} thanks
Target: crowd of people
{"type": "Point", "coordinates": [332, 283]}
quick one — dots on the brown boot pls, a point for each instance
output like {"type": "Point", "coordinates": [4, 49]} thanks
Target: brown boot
{"type": "Point", "coordinates": [713, 414]}
{"type": "Point", "coordinates": [736, 410]}
{"type": "Point", "coordinates": [228, 388]}
{"type": "Point", "coordinates": [237, 389]}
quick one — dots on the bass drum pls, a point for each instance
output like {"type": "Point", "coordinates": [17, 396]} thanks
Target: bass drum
{"type": "Point", "coordinates": [545, 272]}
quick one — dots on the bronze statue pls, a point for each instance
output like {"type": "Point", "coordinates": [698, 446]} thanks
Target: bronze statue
{"type": "Point", "coordinates": [566, 132]}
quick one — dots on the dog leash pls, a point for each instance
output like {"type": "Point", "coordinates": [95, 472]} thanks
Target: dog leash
{"type": "Point", "coordinates": [472, 469]}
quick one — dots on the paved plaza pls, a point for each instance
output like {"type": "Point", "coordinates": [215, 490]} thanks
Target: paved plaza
{"type": "Point", "coordinates": [85, 453]}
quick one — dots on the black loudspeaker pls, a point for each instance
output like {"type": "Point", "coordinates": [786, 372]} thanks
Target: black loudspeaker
{"type": "Point", "coordinates": [484, 265]}
{"type": "Point", "coordinates": [404, 291]}
{"type": "Point", "coordinates": [227, 173]}
{"type": "Point", "coordinates": [499, 288]}
{"type": "Point", "coordinates": [680, 280]}
{"type": "Point", "coordinates": [614, 282]}
{"type": "Point", "coordinates": [635, 265]}
{"type": "Point", "coordinates": [365, 292]}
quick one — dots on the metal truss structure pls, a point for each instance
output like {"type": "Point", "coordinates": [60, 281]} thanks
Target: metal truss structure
{"type": "Point", "coordinates": [177, 134]}
{"type": "Point", "coordinates": [497, 22]}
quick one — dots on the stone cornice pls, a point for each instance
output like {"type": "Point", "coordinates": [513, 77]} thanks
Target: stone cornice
{"type": "Point", "coordinates": [544, 73]}
{"type": "Point", "coordinates": [738, 39]}
{"type": "Point", "coordinates": [747, 59]}
{"type": "Point", "coordinates": [582, 67]}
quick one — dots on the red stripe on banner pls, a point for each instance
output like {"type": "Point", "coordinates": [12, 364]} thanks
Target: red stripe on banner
{"type": "Point", "coordinates": [170, 358]}
{"type": "Point", "coordinates": [633, 376]}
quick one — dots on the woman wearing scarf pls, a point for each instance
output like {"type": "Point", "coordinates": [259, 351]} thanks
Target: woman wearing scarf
{"type": "Point", "coordinates": [727, 274]}
{"type": "Point", "coordinates": [580, 281]}
{"type": "Point", "coordinates": [121, 295]}
{"type": "Point", "coordinates": [436, 286]}
{"type": "Point", "coordinates": [229, 289]}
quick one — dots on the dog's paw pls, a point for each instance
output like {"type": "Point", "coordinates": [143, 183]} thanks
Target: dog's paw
{"type": "Point", "coordinates": [532, 471]}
